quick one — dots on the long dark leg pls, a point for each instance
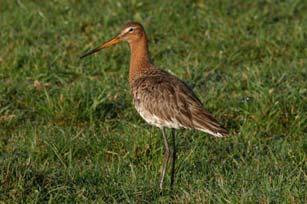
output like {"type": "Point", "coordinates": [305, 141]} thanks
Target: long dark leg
{"type": "Point", "coordinates": [165, 159]}
{"type": "Point", "coordinates": [173, 157]}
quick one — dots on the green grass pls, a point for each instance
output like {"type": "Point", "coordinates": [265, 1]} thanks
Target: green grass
{"type": "Point", "coordinates": [68, 129]}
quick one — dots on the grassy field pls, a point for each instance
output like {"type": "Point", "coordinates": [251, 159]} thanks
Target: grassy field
{"type": "Point", "coordinates": [68, 129]}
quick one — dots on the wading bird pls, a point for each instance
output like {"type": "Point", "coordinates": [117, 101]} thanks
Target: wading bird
{"type": "Point", "coordinates": [160, 98]}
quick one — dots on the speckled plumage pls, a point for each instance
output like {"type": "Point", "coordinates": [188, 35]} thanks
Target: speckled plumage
{"type": "Point", "coordinates": [163, 100]}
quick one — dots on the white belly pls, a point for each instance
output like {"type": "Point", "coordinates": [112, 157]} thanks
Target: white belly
{"type": "Point", "coordinates": [154, 120]}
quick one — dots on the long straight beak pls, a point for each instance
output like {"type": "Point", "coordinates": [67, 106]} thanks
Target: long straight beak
{"type": "Point", "coordinates": [109, 43]}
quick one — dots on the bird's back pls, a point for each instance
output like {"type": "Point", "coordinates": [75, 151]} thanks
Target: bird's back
{"type": "Point", "coordinates": [163, 100]}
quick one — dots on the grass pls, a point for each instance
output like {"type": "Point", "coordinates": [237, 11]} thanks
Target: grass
{"type": "Point", "coordinates": [68, 129]}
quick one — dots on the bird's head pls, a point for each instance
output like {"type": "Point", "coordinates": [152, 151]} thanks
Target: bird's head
{"type": "Point", "coordinates": [131, 32]}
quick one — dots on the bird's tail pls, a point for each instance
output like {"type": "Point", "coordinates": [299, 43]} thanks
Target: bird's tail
{"type": "Point", "coordinates": [204, 121]}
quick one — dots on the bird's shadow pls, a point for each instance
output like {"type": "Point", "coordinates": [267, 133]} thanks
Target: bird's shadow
{"type": "Point", "coordinates": [109, 109]}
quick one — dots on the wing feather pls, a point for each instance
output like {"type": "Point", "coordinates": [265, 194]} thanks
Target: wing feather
{"type": "Point", "coordinates": [172, 101]}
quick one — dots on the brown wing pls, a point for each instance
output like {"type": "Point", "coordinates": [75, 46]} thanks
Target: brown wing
{"type": "Point", "coordinates": [170, 99]}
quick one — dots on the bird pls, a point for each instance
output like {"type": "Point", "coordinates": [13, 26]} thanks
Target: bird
{"type": "Point", "coordinates": [160, 98]}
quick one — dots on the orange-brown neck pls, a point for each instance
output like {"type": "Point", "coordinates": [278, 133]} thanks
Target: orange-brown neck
{"type": "Point", "coordinates": [139, 60]}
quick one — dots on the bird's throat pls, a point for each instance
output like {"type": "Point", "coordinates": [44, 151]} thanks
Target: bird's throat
{"type": "Point", "coordinates": [140, 59]}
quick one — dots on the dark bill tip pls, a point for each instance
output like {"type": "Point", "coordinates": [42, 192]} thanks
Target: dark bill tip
{"type": "Point", "coordinates": [90, 52]}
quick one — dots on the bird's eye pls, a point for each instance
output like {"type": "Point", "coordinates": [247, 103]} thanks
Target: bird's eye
{"type": "Point", "coordinates": [131, 29]}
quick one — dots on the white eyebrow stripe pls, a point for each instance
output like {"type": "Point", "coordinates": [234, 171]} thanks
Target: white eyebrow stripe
{"type": "Point", "coordinates": [127, 29]}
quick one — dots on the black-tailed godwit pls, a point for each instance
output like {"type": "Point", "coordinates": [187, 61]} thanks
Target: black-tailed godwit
{"type": "Point", "coordinates": [160, 98]}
